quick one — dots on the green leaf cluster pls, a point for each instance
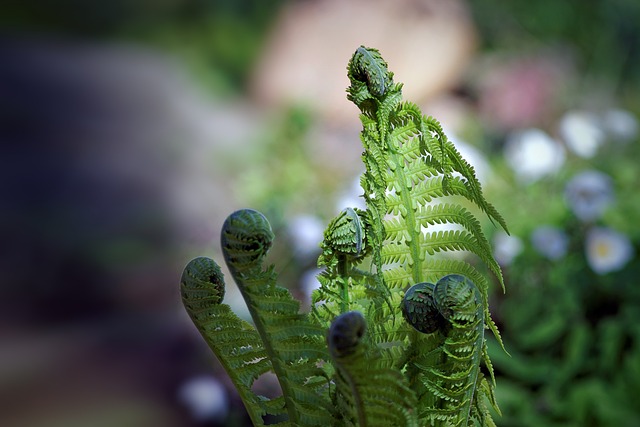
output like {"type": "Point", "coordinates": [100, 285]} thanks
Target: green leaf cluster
{"type": "Point", "coordinates": [358, 358]}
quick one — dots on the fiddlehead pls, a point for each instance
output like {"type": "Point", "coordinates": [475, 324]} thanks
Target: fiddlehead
{"type": "Point", "coordinates": [367, 394]}
{"type": "Point", "coordinates": [234, 342]}
{"type": "Point", "coordinates": [202, 284]}
{"type": "Point", "coordinates": [457, 379]}
{"type": "Point", "coordinates": [294, 346]}
{"type": "Point", "coordinates": [345, 334]}
{"type": "Point", "coordinates": [419, 309]}
{"type": "Point", "coordinates": [346, 235]}
{"type": "Point", "coordinates": [458, 300]}
{"type": "Point", "coordinates": [343, 286]}
{"type": "Point", "coordinates": [369, 69]}
{"type": "Point", "coordinates": [246, 239]}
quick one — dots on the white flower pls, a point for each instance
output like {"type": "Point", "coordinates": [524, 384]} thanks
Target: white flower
{"type": "Point", "coordinates": [506, 248]}
{"type": "Point", "coordinates": [550, 242]}
{"type": "Point", "coordinates": [205, 398]}
{"type": "Point", "coordinates": [306, 232]}
{"type": "Point", "coordinates": [588, 194]}
{"type": "Point", "coordinates": [607, 250]}
{"type": "Point", "coordinates": [581, 132]}
{"type": "Point", "coordinates": [533, 154]}
{"type": "Point", "coordinates": [620, 124]}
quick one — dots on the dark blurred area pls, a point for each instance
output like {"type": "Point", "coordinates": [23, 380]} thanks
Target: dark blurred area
{"type": "Point", "coordinates": [125, 132]}
{"type": "Point", "coordinates": [90, 257]}
{"type": "Point", "coordinates": [91, 326]}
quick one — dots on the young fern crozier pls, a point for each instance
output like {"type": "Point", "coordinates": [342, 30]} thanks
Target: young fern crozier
{"type": "Point", "coordinates": [359, 376]}
{"type": "Point", "coordinates": [395, 336]}
{"type": "Point", "coordinates": [453, 307]}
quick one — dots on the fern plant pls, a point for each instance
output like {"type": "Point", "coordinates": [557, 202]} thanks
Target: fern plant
{"type": "Point", "coordinates": [395, 335]}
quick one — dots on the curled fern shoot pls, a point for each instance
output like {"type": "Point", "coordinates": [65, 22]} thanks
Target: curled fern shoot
{"type": "Point", "coordinates": [234, 342]}
{"type": "Point", "coordinates": [419, 309]}
{"type": "Point", "coordinates": [367, 394]}
{"type": "Point", "coordinates": [453, 308]}
{"type": "Point", "coordinates": [344, 286]}
{"type": "Point", "coordinates": [294, 345]}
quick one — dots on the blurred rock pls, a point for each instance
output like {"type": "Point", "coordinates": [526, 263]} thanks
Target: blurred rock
{"type": "Point", "coordinates": [427, 44]}
{"type": "Point", "coordinates": [107, 172]}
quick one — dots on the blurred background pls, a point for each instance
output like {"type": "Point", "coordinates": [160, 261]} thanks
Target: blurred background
{"type": "Point", "coordinates": [131, 129]}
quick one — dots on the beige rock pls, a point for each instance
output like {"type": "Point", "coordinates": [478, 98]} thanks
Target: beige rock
{"type": "Point", "coordinates": [427, 44]}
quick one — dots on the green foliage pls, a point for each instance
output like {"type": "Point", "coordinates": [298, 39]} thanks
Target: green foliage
{"type": "Point", "coordinates": [369, 353]}
{"type": "Point", "coordinates": [460, 319]}
{"type": "Point", "coordinates": [571, 327]}
{"type": "Point", "coordinates": [359, 376]}
{"type": "Point", "coordinates": [235, 342]}
{"type": "Point", "coordinates": [514, 23]}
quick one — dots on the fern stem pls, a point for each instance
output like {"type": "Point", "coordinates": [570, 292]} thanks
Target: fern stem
{"type": "Point", "coordinates": [344, 267]}
{"type": "Point", "coordinates": [410, 218]}
{"type": "Point", "coordinates": [357, 398]}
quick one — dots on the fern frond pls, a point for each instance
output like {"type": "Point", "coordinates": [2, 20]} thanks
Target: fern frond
{"type": "Point", "coordinates": [335, 365]}
{"type": "Point", "coordinates": [434, 144]}
{"type": "Point", "coordinates": [343, 287]}
{"type": "Point", "coordinates": [369, 395]}
{"type": "Point", "coordinates": [411, 164]}
{"type": "Point", "coordinates": [368, 67]}
{"type": "Point", "coordinates": [397, 253]}
{"type": "Point", "coordinates": [461, 166]}
{"type": "Point", "coordinates": [235, 342]}
{"type": "Point", "coordinates": [447, 213]}
{"type": "Point", "coordinates": [459, 240]}
{"type": "Point", "coordinates": [292, 343]}
{"type": "Point", "coordinates": [456, 380]}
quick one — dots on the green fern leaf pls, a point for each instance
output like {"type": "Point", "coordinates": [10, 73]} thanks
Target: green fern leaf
{"type": "Point", "coordinates": [354, 360]}
{"type": "Point", "coordinates": [234, 342]}
{"type": "Point", "coordinates": [456, 381]}
{"type": "Point", "coordinates": [292, 343]}
{"type": "Point", "coordinates": [367, 394]}
{"type": "Point", "coordinates": [410, 165]}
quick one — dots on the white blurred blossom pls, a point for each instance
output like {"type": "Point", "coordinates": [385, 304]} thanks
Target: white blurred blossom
{"type": "Point", "coordinates": [620, 124]}
{"type": "Point", "coordinates": [205, 398]}
{"type": "Point", "coordinates": [533, 154]}
{"type": "Point", "coordinates": [309, 282]}
{"type": "Point", "coordinates": [582, 133]}
{"type": "Point", "coordinates": [352, 196]}
{"type": "Point", "coordinates": [550, 241]}
{"type": "Point", "coordinates": [588, 194]}
{"type": "Point", "coordinates": [306, 233]}
{"type": "Point", "coordinates": [506, 247]}
{"type": "Point", "coordinates": [607, 250]}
